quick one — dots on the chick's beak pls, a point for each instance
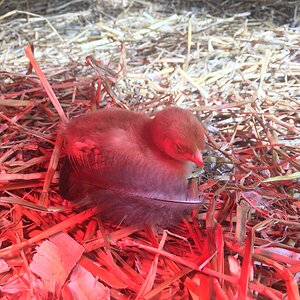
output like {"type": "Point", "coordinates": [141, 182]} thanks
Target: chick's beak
{"type": "Point", "coordinates": [197, 158]}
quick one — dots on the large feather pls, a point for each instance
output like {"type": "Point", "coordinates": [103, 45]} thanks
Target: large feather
{"type": "Point", "coordinates": [124, 207]}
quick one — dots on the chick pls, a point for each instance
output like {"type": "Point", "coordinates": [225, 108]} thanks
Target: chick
{"type": "Point", "coordinates": [134, 167]}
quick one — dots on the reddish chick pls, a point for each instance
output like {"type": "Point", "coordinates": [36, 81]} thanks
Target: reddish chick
{"type": "Point", "coordinates": [134, 167]}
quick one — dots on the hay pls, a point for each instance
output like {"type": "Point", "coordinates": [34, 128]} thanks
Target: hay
{"type": "Point", "coordinates": [239, 73]}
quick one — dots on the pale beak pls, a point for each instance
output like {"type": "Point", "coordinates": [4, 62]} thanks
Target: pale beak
{"type": "Point", "coordinates": [197, 158]}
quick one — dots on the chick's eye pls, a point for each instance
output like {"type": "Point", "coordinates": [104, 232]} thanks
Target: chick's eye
{"type": "Point", "coordinates": [180, 147]}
